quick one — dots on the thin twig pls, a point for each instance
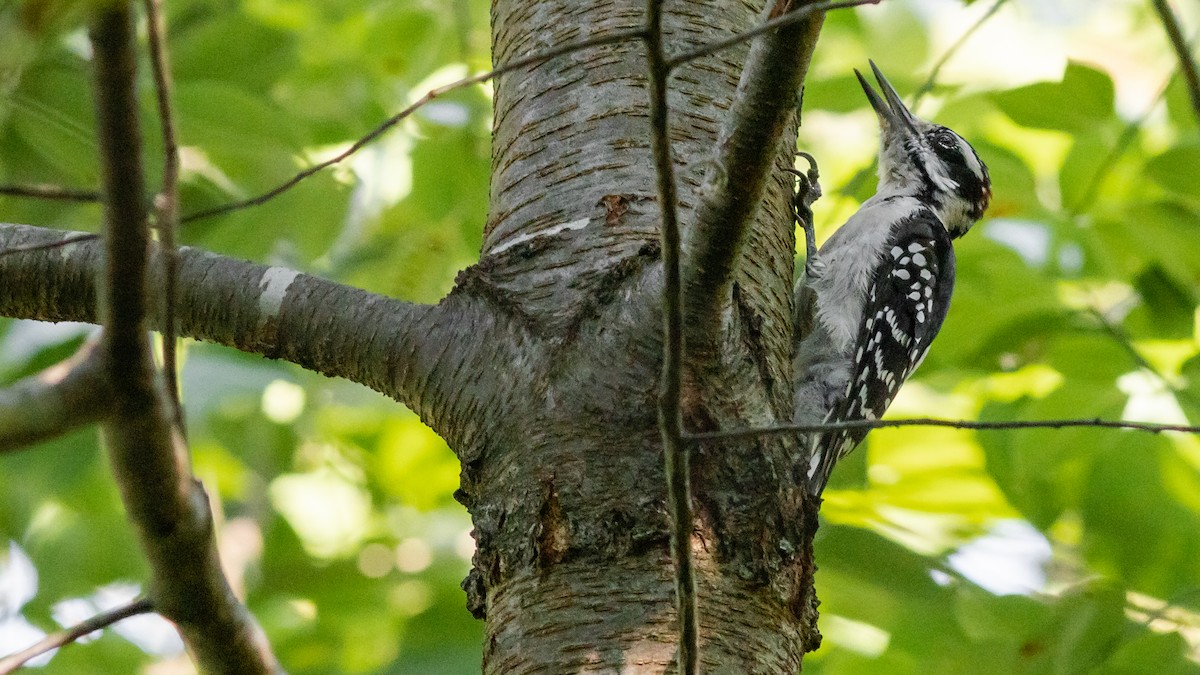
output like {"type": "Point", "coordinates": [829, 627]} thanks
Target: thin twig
{"type": "Point", "coordinates": [933, 422]}
{"type": "Point", "coordinates": [927, 86]}
{"type": "Point", "coordinates": [148, 457]}
{"type": "Point", "coordinates": [1120, 336]}
{"type": "Point", "coordinates": [737, 176]}
{"type": "Point", "coordinates": [670, 418]}
{"type": "Point", "coordinates": [75, 239]}
{"type": "Point", "coordinates": [788, 19]}
{"type": "Point", "coordinates": [852, 185]}
{"type": "Point", "coordinates": [1187, 63]}
{"type": "Point", "coordinates": [533, 59]}
{"type": "Point", "coordinates": [167, 203]}
{"type": "Point", "coordinates": [66, 396]}
{"type": "Point", "coordinates": [66, 636]}
{"type": "Point", "coordinates": [51, 192]}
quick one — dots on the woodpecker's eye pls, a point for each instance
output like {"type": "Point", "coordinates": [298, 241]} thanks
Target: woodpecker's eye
{"type": "Point", "coordinates": [945, 141]}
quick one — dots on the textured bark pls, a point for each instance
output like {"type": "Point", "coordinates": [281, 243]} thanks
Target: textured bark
{"type": "Point", "coordinates": [567, 497]}
{"type": "Point", "coordinates": [625, 622]}
{"type": "Point", "coordinates": [541, 368]}
{"type": "Point", "coordinates": [166, 506]}
{"type": "Point", "coordinates": [72, 394]}
{"type": "Point", "coordinates": [391, 346]}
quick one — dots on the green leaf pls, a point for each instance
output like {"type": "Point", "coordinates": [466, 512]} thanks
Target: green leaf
{"type": "Point", "coordinates": [249, 139]}
{"type": "Point", "coordinates": [42, 358]}
{"type": "Point", "coordinates": [1177, 169]}
{"type": "Point", "coordinates": [985, 324]}
{"type": "Point", "coordinates": [232, 48]}
{"type": "Point", "coordinates": [293, 229]}
{"type": "Point", "coordinates": [1083, 99]}
{"type": "Point", "coordinates": [1167, 309]}
{"type": "Point", "coordinates": [899, 27]}
{"type": "Point", "coordinates": [1043, 471]}
{"type": "Point", "coordinates": [1135, 528]}
{"type": "Point", "coordinates": [1014, 188]}
{"type": "Point", "coordinates": [836, 94]}
{"type": "Point", "coordinates": [1168, 652]}
{"type": "Point", "coordinates": [1157, 233]}
{"type": "Point", "coordinates": [1080, 170]}
{"type": "Point", "coordinates": [1088, 626]}
{"type": "Point", "coordinates": [1179, 103]}
{"type": "Point", "coordinates": [52, 114]}
{"type": "Point", "coordinates": [1008, 618]}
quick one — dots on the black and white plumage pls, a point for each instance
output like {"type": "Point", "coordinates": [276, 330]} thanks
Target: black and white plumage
{"type": "Point", "coordinates": [874, 297]}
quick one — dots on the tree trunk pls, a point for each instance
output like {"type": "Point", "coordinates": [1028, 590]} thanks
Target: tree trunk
{"type": "Point", "coordinates": [566, 488]}
{"type": "Point", "coordinates": [541, 368]}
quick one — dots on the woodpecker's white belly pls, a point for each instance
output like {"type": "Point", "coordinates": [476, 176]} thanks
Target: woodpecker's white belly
{"type": "Point", "coordinates": [851, 256]}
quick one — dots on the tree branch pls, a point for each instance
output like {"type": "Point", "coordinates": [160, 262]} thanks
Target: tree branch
{"type": "Point", "coordinates": [167, 203]}
{"type": "Point", "coordinates": [1187, 63]}
{"type": "Point", "coordinates": [72, 238]}
{"type": "Point", "coordinates": [53, 641]}
{"type": "Point", "coordinates": [670, 418]}
{"type": "Point", "coordinates": [927, 85]}
{"type": "Point", "coordinates": [933, 422]}
{"type": "Point", "coordinates": [788, 19]}
{"type": "Point", "coordinates": [273, 311]}
{"type": "Point", "coordinates": [765, 101]}
{"type": "Point", "coordinates": [523, 62]}
{"type": "Point", "coordinates": [386, 125]}
{"type": "Point", "coordinates": [168, 508]}
{"type": "Point", "coordinates": [50, 192]}
{"type": "Point", "coordinates": [400, 349]}
{"type": "Point", "coordinates": [69, 395]}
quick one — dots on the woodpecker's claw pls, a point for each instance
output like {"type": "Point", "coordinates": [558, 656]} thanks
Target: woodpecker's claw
{"type": "Point", "coordinates": [813, 176]}
{"type": "Point", "coordinates": [808, 190]}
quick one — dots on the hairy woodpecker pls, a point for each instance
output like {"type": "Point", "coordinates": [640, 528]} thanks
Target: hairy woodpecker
{"type": "Point", "coordinates": [872, 299]}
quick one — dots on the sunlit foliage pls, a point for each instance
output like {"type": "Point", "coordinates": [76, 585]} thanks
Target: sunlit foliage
{"type": "Point", "coordinates": [941, 551]}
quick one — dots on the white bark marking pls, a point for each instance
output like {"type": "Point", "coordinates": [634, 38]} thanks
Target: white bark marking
{"type": "Point", "coordinates": [548, 232]}
{"type": "Point", "coordinates": [274, 285]}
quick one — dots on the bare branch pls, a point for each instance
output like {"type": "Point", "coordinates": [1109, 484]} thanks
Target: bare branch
{"type": "Point", "coordinates": [524, 62]}
{"type": "Point", "coordinates": [53, 641]}
{"type": "Point", "coordinates": [1187, 63]}
{"type": "Point", "coordinates": [670, 418]}
{"type": "Point", "coordinates": [927, 86]}
{"type": "Point", "coordinates": [933, 422]}
{"type": "Point", "coordinates": [532, 59]}
{"type": "Point", "coordinates": [149, 459]}
{"type": "Point", "coordinates": [72, 394]}
{"type": "Point", "coordinates": [781, 21]}
{"type": "Point", "coordinates": [734, 184]}
{"type": "Point", "coordinates": [1120, 336]}
{"type": "Point", "coordinates": [50, 192]}
{"type": "Point", "coordinates": [46, 246]}
{"type": "Point", "coordinates": [315, 323]}
{"type": "Point", "coordinates": [167, 204]}
{"type": "Point", "coordinates": [273, 311]}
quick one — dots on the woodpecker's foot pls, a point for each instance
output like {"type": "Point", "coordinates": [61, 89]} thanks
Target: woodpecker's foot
{"type": "Point", "coordinates": [808, 190]}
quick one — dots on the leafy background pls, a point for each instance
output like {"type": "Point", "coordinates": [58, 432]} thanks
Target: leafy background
{"type": "Point", "coordinates": [941, 551]}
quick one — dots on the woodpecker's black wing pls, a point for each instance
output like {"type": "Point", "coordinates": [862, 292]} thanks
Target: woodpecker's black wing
{"type": "Point", "coordinates": [905, 307]}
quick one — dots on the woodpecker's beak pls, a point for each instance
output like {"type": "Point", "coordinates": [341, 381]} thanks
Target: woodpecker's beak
{"type": "Point", "coordinates": [893, 114]}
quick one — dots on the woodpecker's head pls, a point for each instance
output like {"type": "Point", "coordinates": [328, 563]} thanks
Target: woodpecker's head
{"type": "Point", "coordinates": [928, 161]}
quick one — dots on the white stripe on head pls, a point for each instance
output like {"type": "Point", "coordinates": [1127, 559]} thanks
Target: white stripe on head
{"type": "Point", "coordinates": [971, 158]}
{"type": "Point", "coordinates": [937, 171]}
